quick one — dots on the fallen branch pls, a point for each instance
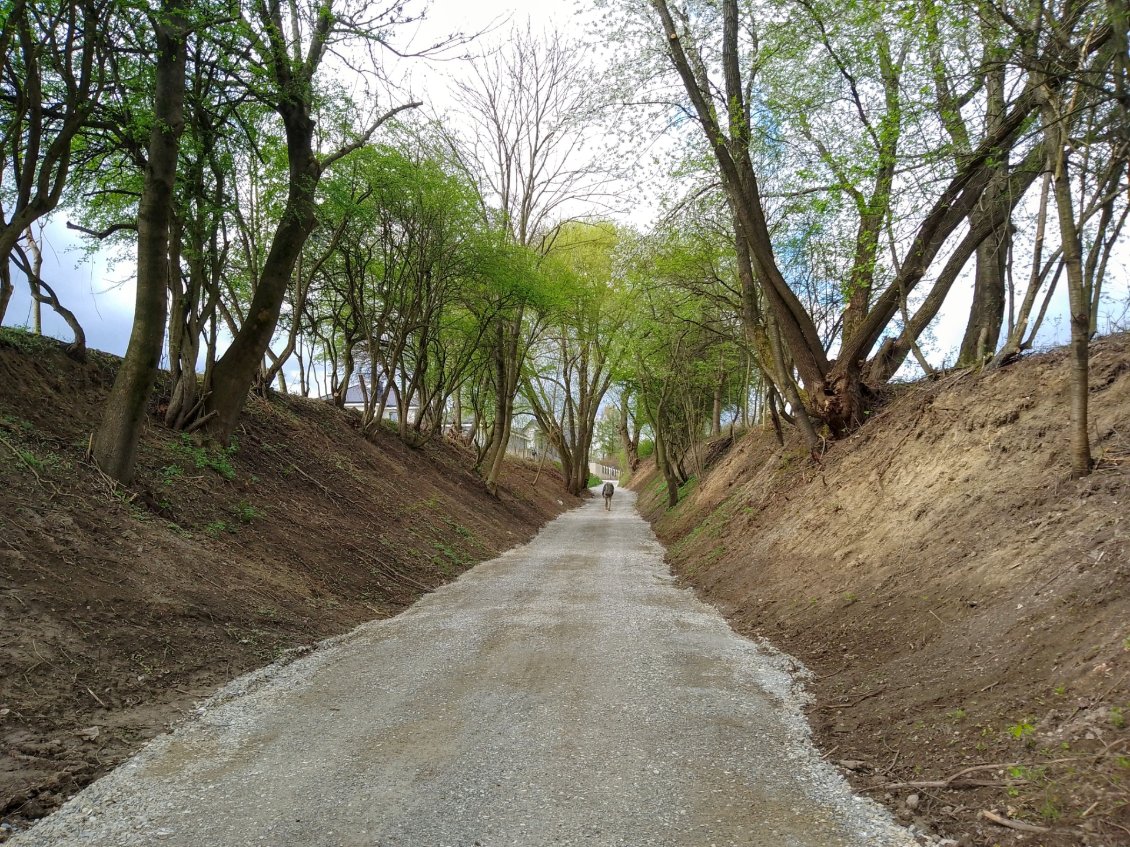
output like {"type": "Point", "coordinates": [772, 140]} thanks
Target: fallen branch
{"type": "Point", "coordinates": [1011, 824]}
{"type": "Point", "coordinates": [949, 782]}
{"type": "Point", "coordinates": [402, 577]}
{"type": "Point", "coordinates": [19, 455]}
{"type": "Point", "coordinates": [955, 784]}
{"type": "Point", "coordinates": [854, 702]}
{"type": "Point", "coordinates": [325, 490]}
{"type": "Point", "coordinates": [96, 697]}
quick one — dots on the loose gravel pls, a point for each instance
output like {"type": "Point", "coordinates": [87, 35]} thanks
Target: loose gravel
{"type": "Point", "coordinates": [566, 693]}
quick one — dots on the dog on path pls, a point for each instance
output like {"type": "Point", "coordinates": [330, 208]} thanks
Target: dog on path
{"type": "Point", "coordinates": [607, 492]}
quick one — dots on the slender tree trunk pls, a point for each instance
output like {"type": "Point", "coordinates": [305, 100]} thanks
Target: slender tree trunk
{"type": "Point", "coordinates": [507, 373]}
{"type": "Point", "coordinates": [716, 412]}
{"type": "Point", "coordinates": [36, 256]}
{"type": "Point", "coordinates": [237, 369]}
{"type": "Point", "coordinates": [628, 445]}
{"type": "Point", "coordinates": [115, 443]}
{"type": "Point", "coordinates": [986, 313]}
{"type": "Point", "coordinates": [1080, 323]}
{"type": "Point", "coordinates": [670, 477]}
{"type": "Point", "coordinates": [5, 288]}
{"type": "Point", "coordinates": [1037, 274]}
{"type": "Point", "coordinates": [1079, 302]}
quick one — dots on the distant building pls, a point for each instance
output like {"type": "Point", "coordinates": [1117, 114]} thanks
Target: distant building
{"type": "Point", "coordinates": [355, 399]}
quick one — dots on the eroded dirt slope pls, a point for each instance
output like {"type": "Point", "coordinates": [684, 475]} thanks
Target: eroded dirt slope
{"type": "Point", "coordinates": [121, 608]}
{"type": "Point", "coordinates": [961, 601]}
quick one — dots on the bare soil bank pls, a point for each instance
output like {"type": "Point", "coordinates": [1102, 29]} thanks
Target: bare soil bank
{"type": "Point", "coordinates": [121, 608]}
{"type": "Point", "coordinates": [963, 604]}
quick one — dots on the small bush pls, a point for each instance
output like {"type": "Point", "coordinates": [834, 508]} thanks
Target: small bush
{"type": "Point", "coordinates": [246, 513]}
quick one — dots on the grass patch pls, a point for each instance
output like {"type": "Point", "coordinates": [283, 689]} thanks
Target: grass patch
{"type": "Point", "coordinates": [217, 459]}
{"type": "Point", "coordinates": [23, 339]}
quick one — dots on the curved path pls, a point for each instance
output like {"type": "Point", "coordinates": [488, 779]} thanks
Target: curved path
{"type": "Point", "coordinates": [566, 693]}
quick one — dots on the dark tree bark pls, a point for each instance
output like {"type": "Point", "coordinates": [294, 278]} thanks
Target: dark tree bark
{"type": "Point", "coordinates": [509, 353]}
{"type": "Point", "coordinates": [115, 442]}
{"type": "Point", "coordinates": [629, 438]}
{"type": "Point", "coordinates": [51, 78]}
{"type": "Point", "coordinates": [986, 313]}
{"type": "Point", "coordinates": [836, 389]}
{"type": "Point", "coordinates": [292, 77]}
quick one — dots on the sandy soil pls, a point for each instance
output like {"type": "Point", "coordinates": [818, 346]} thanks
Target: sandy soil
{"type": "Point", "coordinates": [964, 605]}
{"type": "Point", "coordinates": [122, 608]}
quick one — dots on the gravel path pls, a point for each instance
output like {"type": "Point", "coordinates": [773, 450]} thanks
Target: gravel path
{"type": "Point", "coordinates": [565, 693]}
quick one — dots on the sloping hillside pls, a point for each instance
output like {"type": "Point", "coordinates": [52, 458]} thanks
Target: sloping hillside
{"type": "Point", "coordinates": [963, 605]}
{"type": "Point", "coordinates": [121, 608]}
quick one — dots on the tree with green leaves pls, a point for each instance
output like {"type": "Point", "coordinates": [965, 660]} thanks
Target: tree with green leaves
{"type": "Point", "coordinates": [115, 442]}
{"type": "Point", "coordinates": [530, 102]}
{"type": "Point", "coordinates": [686, 345]}
{"type": "Point", "coordinates": [831, 144]}
{"type": "Point", "coordinates": [287, 50]}
{"type": "Point", "coordinates": [570, 368]}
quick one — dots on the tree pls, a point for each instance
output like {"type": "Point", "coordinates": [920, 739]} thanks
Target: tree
{"type": "Point", "coordinates": [286, 56]}
{"type": "Point", "coordinates": [115, 442]}
{"type": "Point", "coordinates": [530, 102]}
{"type": "Point", "coordinates": [571, 367]}
{"type": "Point", "coordinates": [51, 78]}
{"type": "Point", "coordinates": [684, 344]}
{"type": "Point", "coordinates": [1080, 113]}
{"type": "Point", "coordinates": [951, 205]}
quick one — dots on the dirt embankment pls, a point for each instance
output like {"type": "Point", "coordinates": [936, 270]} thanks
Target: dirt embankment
{"type": "Point", "coordinates": [123, 607]}
{"type": "Point", "coordinates": [963, 605]}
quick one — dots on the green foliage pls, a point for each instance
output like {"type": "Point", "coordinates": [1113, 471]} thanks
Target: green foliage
{"type": "Point", "coordinates": [1023, 729]}
{"type": "Point", "coordinates": [17, 425]}
{"type": "Point", "coordinates": [245, 513]}
{"type": "Point", "coordinates": [39, 463]}
{"type": "Point", "coordinates": [217, 459]}
{"type": "Point", "coordinates": [25, 340]}
{"type": "Point", "coordinates": [594, 480]}
{"type": "Point", "coordinates": [215, 529]}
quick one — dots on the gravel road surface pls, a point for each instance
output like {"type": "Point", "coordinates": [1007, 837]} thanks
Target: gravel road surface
{"type": "Point", "coordinates": [566, 693]}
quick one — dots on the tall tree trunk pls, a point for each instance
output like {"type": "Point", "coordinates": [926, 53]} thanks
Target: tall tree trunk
{"type": "Point", "coordinates": [508, 367]}
{"type": "Point", "coordinates": [115, 443]}
{"type": "Point", "coordinates": [986, 314]}
{"type": "Point", "coordinates": [628, 445]}
{"type": "Point", "coordinates": [36, 256]}
{"type": "Point", "coordinates": [716, 411]}
{"type": "Point", "coordinates": [237, 369]}
{"type": "Point", "coordinates": [1056, 132]}
{"type": "Point", "coordinates": [5, 288]}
